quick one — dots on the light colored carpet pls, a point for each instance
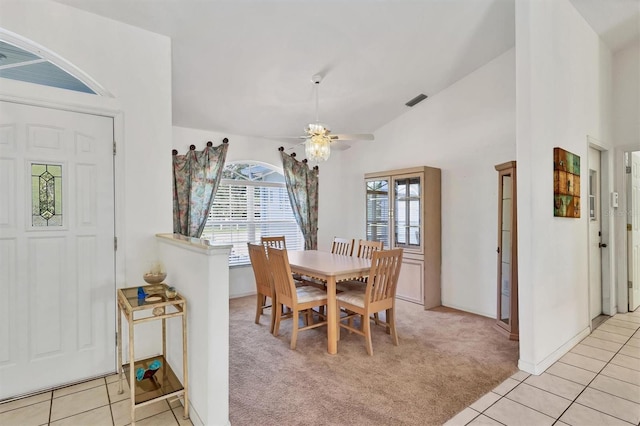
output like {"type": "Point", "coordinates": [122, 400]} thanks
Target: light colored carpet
{"type": "Point", "coordinates": [446, 360]}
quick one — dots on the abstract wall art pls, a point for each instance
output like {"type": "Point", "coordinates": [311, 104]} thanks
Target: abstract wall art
{"type": "Point", "coordinates": [566, 183]}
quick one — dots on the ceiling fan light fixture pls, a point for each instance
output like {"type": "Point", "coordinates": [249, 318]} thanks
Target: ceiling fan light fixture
{"type": "Point", "coordinates": [317, 129]}
{"type": "Point", "coordinates": [317, 148]}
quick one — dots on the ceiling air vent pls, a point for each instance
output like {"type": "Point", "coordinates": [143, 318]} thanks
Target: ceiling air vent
{"type": "Point", "coordinates": [421, 97]}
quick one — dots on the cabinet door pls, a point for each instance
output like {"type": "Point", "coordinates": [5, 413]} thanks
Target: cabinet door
{"type": "Point", "coordinates": [408, 212]}
{"type": "Point", "coordinates": [507, 315]}
{"type": "Point", "coordinates": [378, 212]}
{"type": "Point", "coordinates": [410, 281]}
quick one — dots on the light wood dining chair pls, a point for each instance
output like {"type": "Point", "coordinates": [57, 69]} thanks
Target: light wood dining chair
{"type": "Point", "coordinates": [378, 295]}
{"type": "Point", "coordinates": [299, 299]}
{"type": "Point", "coordinates": [342, 246]}
{"type": "Point", "coordinates": [366, 248]}
{"type": "Point", "coordinates": [264, 283]}
{"type": "Point", "coordinates": [278, 242]}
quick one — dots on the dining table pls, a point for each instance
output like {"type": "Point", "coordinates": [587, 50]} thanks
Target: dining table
{"type": "Point", "coordinates": [331, 268]}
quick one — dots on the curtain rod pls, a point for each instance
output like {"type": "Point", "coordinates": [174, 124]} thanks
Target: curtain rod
{"type": "Point", "coordinates": [193, 147]}
{"type": "Point", "coordinates": [293, 154]}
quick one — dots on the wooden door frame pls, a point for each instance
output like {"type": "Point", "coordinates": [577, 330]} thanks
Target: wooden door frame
{"type": "Point", "coordinates": [608, 296]}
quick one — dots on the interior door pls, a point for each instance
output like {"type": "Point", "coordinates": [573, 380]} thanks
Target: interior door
{"type": "Point", "coordinates": [57, 260]}
{"type": "Point", "coordinates": [595, 258]}
{"type": "Point", "coordinates": [634, 252]}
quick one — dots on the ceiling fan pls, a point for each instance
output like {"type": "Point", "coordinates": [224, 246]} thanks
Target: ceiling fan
{"type": "Point", "coordinates": [318, 137]}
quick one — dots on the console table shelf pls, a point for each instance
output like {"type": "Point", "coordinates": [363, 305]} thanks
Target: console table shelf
{"type": "Point", "coordinates": [163, 383]}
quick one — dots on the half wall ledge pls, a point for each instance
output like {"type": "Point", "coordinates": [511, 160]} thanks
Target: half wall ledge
{"type": "Point", "coordinates": [199, 271]}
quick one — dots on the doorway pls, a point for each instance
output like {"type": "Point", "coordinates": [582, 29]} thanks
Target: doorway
{"type": "Point", "coordinates": [57, 257]}
{"type": "Point", "coordinates": [595, 237]}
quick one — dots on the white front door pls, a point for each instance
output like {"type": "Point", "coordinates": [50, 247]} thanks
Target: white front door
{"type": "Point", "coordinates": [634, 252]}
{"type": "Point", "coordinates": [595, 258]}
{"type": "Point", "coordinates": [57, 260]}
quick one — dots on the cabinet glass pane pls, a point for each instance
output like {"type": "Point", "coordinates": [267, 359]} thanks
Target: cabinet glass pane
{"type": "Point", "coordinates": [506, 247]}
{"type": "Point", "coordinates": [506, 202]}
{"type": "Point", "coordinates": [378, 211]}
{"type": "Point", "coordinates": [505, 294]}
{"type": "Point", "coordinates": [407, 212]}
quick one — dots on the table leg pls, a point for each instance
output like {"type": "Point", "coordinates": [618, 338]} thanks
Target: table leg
{"type": "Point", "coordinates": [132, 374]}
{"type": "Point", "coordinates": [185, 370]}
{"type": "Point", "coordinates": [120, 370]}
{"type": "Point", "coordinates": [332, 318]}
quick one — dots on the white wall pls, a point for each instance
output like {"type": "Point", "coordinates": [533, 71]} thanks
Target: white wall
{"type": "Point", "coordinates": [135, 66]}
{"type": "Point", "coordinates": [562, 96]}
{"type": "Point", "coordinates": [465, 130]}
{"type": "Point", "coordinates": [626, 95]}
{"type": "Point", "coordinates": [202, 279]}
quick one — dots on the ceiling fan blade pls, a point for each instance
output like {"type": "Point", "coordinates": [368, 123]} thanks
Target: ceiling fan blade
{"type": "Point", "coordinates": [353, 137]}
{"type": "Point", "coordinates": [340, 146]}
{"type": "Point", "coordinates": [286, 139]}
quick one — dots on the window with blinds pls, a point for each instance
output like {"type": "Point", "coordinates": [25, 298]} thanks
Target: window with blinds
{"type": "Point", "coordinates": [251, 202]}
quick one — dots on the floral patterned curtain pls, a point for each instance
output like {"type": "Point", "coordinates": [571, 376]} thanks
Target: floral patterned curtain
{"type": "Point", "coordinates": [196, 176]}
{"type": "Point", "coordinates": [302, 187]}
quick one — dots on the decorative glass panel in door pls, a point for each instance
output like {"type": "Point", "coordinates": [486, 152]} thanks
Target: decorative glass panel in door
{"type": "Point", "coordinates": [407, 193]}
{"type": "Point", "coordinates": [378, 210]}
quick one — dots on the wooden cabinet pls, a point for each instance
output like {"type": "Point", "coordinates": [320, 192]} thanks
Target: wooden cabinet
{"type": "Point", "coordinates": [403, 210]}
{"type": "Point", "coordinates": [507, 316]}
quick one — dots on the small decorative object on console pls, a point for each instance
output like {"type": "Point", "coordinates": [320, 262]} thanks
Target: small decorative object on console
{"type": "Point", "coordinates": [142, 374]}
{"type": "Point", "coordinates": [156, 273]}
{"type": "Point", "coordinates": [171, 292]}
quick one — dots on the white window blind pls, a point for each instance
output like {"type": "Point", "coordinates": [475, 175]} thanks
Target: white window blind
{"type": "Point", "coordinates": [251, 202]}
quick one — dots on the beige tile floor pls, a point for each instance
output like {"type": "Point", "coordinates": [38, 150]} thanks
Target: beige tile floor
{"type": "Point", "coordinates": [94, 403]}
{"type": "Point", "coordinates": [597, 383]}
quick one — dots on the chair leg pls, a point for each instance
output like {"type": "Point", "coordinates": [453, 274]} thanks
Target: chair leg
{"type": "Point", "coordinates": [387, 315]}
{"type": "Point", "coordinates": [366, 328]}
{"type": "Point", "coordinates": [376, 318]}
{"type": "Point", "coordinates": [294, 328]}
{"type": "Point", "coordinates": [276, 325]}
{"type": "Point", "coordinates": [274, 314]}
{"type": "Point", "coordinates": [259, 304]}
{"type": "Point", "coordinates": [337, 323]}
{"type": "Point", "coordinates": [391, 320]}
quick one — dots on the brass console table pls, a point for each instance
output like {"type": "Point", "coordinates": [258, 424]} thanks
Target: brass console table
{"type": "Point", "coordinates": [161, 383]}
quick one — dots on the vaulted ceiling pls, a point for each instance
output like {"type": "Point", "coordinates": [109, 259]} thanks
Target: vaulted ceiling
{"type": "Point", "coordinates": [245, 66]}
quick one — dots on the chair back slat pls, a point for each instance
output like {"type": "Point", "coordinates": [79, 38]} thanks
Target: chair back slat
{"type": "Point", "coordinates": [366, 248]}
{"type": "Point", "coordinates": [342, 246]}
{"type": "Point", "coordinates": [383, 276]}
{"type": "Point", "coordinates": [260, 268]}
{"type": "Point", "coordinates": [282, 279]}
{"type": "Point", "coordinates": [277, 242]}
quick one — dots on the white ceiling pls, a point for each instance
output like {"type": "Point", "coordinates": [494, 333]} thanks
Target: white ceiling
{"type": "Point", "coordinates": [244, 66]}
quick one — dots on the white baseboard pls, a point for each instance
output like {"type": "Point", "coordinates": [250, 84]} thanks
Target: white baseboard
{"type": "Point", "coordinates": [539, 368]}
{"type": "Point", "coordinates": [237, 296]}
{"type": "Point", "coordinates": [466, 309]}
